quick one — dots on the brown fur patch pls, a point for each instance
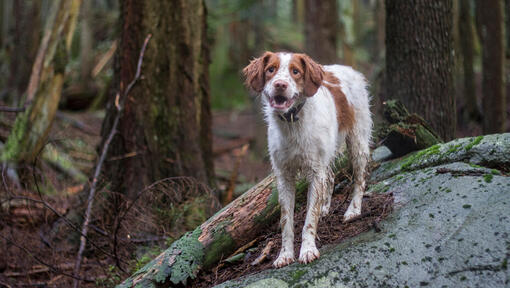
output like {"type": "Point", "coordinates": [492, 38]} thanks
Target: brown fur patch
{"type": "Point", "coordinates": [344, 111]}
{"type": "Point", "coordinates": [257, 72]}
{"type": "Point", "coordinates": [310, 76]}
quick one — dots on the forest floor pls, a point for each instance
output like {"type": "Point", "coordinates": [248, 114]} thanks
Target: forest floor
{"type": "Point", "coordinates": [37, 248]}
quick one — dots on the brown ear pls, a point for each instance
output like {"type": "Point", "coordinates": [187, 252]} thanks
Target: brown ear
{"type": "Point", "coordinates": [313, 75]}
{"type": "Point", "coordinates": [254, 73]}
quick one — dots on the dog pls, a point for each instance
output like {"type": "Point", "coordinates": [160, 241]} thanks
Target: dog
{"type": "Point", "coordinates": [311, 111]}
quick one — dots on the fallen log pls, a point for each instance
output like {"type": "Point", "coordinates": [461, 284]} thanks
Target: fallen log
{"type": "Point", "coordinates": [406, 132]}
{"type": "Point", "coordinates": [235, 225]}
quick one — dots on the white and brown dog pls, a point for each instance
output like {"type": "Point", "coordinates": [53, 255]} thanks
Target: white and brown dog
{"type": "Point", "coordinates": [311, 111]}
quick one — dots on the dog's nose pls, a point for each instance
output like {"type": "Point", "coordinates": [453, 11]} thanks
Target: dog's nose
{"type": "Point", "coordinates": [280, 85]}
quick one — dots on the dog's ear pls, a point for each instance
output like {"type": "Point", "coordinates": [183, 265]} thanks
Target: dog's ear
{"type": "Point", "coordinates": [254, 73]}
{"type": "Point", "coordinates": [313, 75]}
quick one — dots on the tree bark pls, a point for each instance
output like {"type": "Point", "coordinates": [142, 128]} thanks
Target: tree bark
{"type": "Point", "coordinates": [466, 48]}
{"type": "Point", "coordinates": [419, 60]}
{"type": "Point", "coordinates": [165, 129]}
{"type": "Point", "coordinates": [25, 40]}
{"type": "Point", "coordinates": [31, 128]}
{"type": "Point", "coordinates": [321, 27]}
{"type": "Point", "coordinates": [490, 30]}
{"type": "Point", "coordinates": [86, 43]}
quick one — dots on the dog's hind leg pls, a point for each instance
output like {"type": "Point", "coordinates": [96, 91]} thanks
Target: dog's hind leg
{"type": "Point", "coordinates": [359, 153]}
{"type": "Point", "coordinates": [286, 197]}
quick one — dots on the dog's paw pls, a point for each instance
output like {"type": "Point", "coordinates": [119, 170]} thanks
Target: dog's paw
{"type": "Point", "coordinates": [284, 259]}
{"type": "Point", "coordinates": [308, 254]}
{"type": "Point", "coordinates": [351, 213]}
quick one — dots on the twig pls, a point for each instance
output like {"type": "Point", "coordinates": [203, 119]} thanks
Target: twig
{"type": "Point", "coordinates": [12, 109]}
{"type": "Point", "coordinates": [92, 192]}
{"type": "Point", "coordinates": [263, 255]}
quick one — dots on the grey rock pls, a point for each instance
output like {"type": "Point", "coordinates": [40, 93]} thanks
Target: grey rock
{"type": "Point", "coordinates": [381, 153]}
{"type": "Point", "coordinates": [449, 228]}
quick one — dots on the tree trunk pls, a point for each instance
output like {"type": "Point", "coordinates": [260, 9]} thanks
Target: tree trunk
{"type": "Point", "coordinates": [380, 20]}
{"type": "Point", "coordinates": [466, 48]}
{"type": "Point", "coordinates": [25, 40]}
{"type": "Point", "coordinates": [165, 129]}
{"type": "Point", "coordinates": [490, 26]}
{"type": "Point", "coordinates": [507, 28]}
{"type": "Point", "coordinates": [31, 128]}
{"type": "Point", "coordinates": [321, 27]}
{"type": "Point", "coordinates": [419, 60]}
{"type": "Point", "coordinates": [86, 43]}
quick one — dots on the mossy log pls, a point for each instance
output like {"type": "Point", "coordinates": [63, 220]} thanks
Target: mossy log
{"type": "Point", "coordinates": [221, 235]}
{"type": "Point", "coordinates": [32, 127]}
{"type": "Point", "coordinates": [406, 132]}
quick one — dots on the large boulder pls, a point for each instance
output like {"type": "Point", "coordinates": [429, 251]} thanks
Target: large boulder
{"type": "Point", "coordinates": [450, 226]}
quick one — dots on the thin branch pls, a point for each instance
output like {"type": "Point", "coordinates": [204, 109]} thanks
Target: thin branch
{"type": "Point", "coordinates": [12, 109]}
{"type": "Point", "coordinates": [92, 192]}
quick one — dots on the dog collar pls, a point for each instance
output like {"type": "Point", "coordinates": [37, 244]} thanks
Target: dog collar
{"type": "Point", "coordinates": [291, 115]}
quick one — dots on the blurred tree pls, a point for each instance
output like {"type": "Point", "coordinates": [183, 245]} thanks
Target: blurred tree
{"type": "Point", "coordinates": [165, 129]}
{"type": "Point", "coordinates": [507, 27]}
{"type": "Point", "coordinates": [419, 60]}
{"type": "Point", "coordinates": [321, 27]}
{"type": "Point", "coordinates": [489, 18]}
{"type": "Point", "coordinates": [380, 20]}
{"type": "Point", "coordinates": [466, 48]}
{"type": "Point", "coordinates": [31, 128]}
{"type": "Point", "coordinates": [25, 40]}
{"type": "Point", "coordinates": [347, 30]}
{"type": "Point", "coordinates": [298, 12]}
{"type": "Point", "coordinates": [86, 43]}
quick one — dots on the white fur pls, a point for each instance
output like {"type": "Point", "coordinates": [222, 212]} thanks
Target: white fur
{"type": "Point", "coordinates": [308, 147]}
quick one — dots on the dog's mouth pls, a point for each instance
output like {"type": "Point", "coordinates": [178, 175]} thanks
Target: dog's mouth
{"type": "Point", "coordinates": [281, 102]}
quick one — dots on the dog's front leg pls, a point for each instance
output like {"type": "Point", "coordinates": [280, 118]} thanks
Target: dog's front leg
{"type": "Point", "coordinates": [316, 191]}
{"type": "Point", "coordinates": [286, 195]}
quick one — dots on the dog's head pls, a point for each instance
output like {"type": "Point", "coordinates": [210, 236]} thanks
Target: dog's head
{"type": "Point", "coordinates": [283, 78]}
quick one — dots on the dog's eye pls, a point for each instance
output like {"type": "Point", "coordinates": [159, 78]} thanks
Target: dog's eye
{"type": "Point", "coordinates": [295, 71]}
{"type": "Point", "coordinates": [271, 69]}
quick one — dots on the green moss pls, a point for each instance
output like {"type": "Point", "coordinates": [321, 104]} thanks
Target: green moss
{"type": "Point", "coordinates": [488, 178]}
{"type": "Point", "coordinates": [453, 148]}
{"type": "Point", "coordinates": [495, 172]}
{"type": "Point", "coordinates": [221, 246]}
{"type": "Point", "coordinates": [177, 263]}
{"type": "Point", "coordinates": [418, 156]}
{"type": "Point", "coordinates": [15, 141]}
{"type": "Point", "coordinates": [297, 275]}
{"type": "Point", "coordinates": [474, 142]}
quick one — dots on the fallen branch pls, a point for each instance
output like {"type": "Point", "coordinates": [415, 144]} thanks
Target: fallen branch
{"type": "Point", "coordinates": [263, 255]}
{"type": "Point", "coordinates": [12, 109]}
{"type": "Point", "coordinates": [93, 186]}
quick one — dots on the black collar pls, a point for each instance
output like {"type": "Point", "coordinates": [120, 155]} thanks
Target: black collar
{"type": "Point", "coordinates": [291, 115]}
